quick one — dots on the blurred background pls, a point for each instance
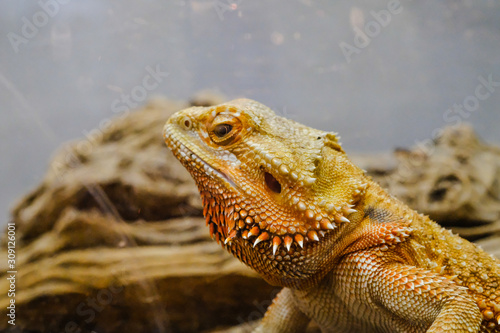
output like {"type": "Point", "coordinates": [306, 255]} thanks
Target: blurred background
{"type": "Point", "coordinates": [382, 73]}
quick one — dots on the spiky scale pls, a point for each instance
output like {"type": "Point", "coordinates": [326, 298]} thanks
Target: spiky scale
{"type": "Point", "coordinates": [254, 231]}
{"type": "Point", "coordinates": [341, 219]}
{"type": "Point", "coordinates": [300, 240]}
{"type": "Point", "coordinates": [309, 214]}
{"type": "Point", "coordinates": [231, 235]}
{"type": "Point", "coordinates": [288, 242]}
{"type": "Point", "coordinates": [262, 237]}
{"type": "Point", "coordinates": [276, 244]}
{"type": "Point", "coordinates": [313, 235]}
{"type": "Point", "coordinates": [325, 224]}
{"type": "Point", "coordinates": [244, 234]}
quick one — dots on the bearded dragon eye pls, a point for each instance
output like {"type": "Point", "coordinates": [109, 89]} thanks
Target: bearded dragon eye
{"type": "Point", "coordinates": [221, 130]}
{"type": "Point", "coordinates": [224, 129]}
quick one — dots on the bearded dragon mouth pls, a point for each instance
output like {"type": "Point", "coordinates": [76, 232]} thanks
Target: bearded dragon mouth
{"type": "Point", "coordinates": [192, 160]}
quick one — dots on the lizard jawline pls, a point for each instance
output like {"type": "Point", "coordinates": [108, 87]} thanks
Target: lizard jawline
{"type": "Point", "coordinates": [183, 149]}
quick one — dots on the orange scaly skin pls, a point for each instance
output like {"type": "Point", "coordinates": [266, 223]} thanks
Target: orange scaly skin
{"type": "Point", "coordinates": [285, 200]}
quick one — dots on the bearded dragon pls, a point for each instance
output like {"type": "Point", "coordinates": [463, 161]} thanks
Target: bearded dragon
{"type": "Point", "coordinates": [285, 200]}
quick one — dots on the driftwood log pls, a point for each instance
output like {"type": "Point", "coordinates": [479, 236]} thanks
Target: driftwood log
{"type": "Point", "coordinates": [113, 240]}
{"type": "Point", "coordinates": [455, 179]}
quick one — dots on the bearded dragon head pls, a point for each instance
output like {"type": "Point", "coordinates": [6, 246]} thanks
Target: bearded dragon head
{"type": "Point", "coordinates": [273, 190]}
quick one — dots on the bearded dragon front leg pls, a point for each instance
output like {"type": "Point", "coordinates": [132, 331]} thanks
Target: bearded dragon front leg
{"type": "Point", "coordinates": [283, 315]}
{"type": "Point", "coordinates": [414, 298]}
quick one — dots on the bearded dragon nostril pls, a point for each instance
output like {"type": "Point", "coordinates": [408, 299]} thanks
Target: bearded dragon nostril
{"type": "Point", "coordinates": [187, 123]}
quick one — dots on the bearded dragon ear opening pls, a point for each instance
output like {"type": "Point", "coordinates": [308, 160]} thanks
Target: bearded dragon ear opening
{"type": "Point", "coordinates": [272, 183]}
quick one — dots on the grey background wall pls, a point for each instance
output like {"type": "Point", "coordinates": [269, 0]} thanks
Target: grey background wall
{"type": "Point", "coordinates": [382, 73]}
